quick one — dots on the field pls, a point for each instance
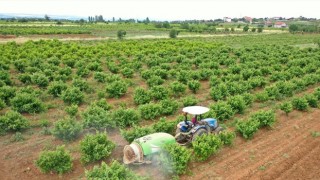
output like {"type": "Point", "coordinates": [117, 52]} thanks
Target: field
{"type": "Point", "coordinates": [131, 87]}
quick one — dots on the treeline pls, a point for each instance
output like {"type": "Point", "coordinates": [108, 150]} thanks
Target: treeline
{"type": "Point", "coordinates": [293, 28]}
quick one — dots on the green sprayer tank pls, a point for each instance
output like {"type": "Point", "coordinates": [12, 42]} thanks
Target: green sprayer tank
{"type": "Point", "coordinates": [146, 146]}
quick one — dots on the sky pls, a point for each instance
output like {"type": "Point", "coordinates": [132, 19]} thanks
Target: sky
{"type": "Point", "coordinates": [166, 9]}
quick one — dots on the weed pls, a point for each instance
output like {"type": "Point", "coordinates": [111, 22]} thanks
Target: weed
{"type": "Point", "coordinates": [315, 133]}
{"type": "Point", "coordinates": [17, 137]}
{"type": "Point", "coordinates": [285, 155]}
{"type": "Point", "coordinates": [262, 168]}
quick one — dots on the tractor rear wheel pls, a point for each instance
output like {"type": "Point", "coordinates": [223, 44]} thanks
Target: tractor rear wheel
{"type": "Point", "coordinates": [198, 133]}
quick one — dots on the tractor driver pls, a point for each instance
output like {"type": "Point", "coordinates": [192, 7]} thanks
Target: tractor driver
{"type": "Point", "coordinates": [194, 119]}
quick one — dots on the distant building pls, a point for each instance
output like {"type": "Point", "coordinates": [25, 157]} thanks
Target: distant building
{"type": "Point", "coordinates": [268, 23]}
{"type": "Point", "coordinates": [280, 25]}
{"type": "Point", "coordinates": [248, 19]}
{"type": "Point", "coordinates": [227, 19]}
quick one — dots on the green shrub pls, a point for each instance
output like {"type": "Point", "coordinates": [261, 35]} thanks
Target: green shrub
{"type": "Point", "coordinates": [141, 96]}
{"type": "Point", "coordinates": [21, 64]}
{"type": "Point", "coordinates": [117, 88]}
{"type": "Point", "coordinates": [312, 100]}
{"type": "Point", "coordinates": [206, 145]}
{"type": "Point", "coordinates": [83, 72]}
{"type": "Point", "coordinates": [189, 101]}
{"type": "Point", "coordinates": [2, 104]}
{"type": "Point", "coordinates": [115, 171]}
{"type": "Point", "coordinates": [72, 95]}
{"type": "Point", "coordinates": [237, 103]}
{"type": "Point", "coordinates": [67, 129]}
{"type": "Point", "coordinates": [121, 34]}
{"type": "Point", "coordinates": [222, 111]}
{"type": "Point", "coordinates": [317, 93]}
{"type": "Point", "coordinates": [205, 74]}
{"type": "Point", "coordinates": [13, 121]}
{"type": "Point", "coordinates": [7, 93]}
{"type": "Point", "coordinates": [194, 85]}
{"type": "Point", "coordinates": [81, 84]}
{"type": "Point", "coordinates": [159, 92]}
{"type": "Point", "coordinates": [173, 33]}
{"type": "Point", "coordinates": [66, 71]}
{"type": "Point", "coordinates": [25, 102]}
{"type": "Point", "coordinates": [40, 79]}
{"type": "Point", "coordinates": [177, 88]}
{"type": "Point", "coordinates": [168, 106]}
{"type": "Point", "coordinates": [262, 96]}
{"type": "Point", "coordinates": [300, 103]}
{"type": "Point", "coordinates": [101, 94]}
{"type": "Point", "coordinates": [217, 94]}
{"type": "Point", "coordinates": [265, 118]}
{"type": "Point", "coordinates": [155, 81]}
{"type": "Point", "coordinates": [150, 111]}
{"type": "Point", "coordinates": [30, 90]}
{"type": "Point", "coordinates": [56, 88]}
{"type": "Point", "coordinates": [5, 77]}
{"type": "Point", "coordinates": [44, 123]}
{"type": "Point", "coordinates": [165, 126]}
{"type": "Point", "coordinates": [113, 67]}
{"type": "Point", "coordinates": [248, 128]}
{"type": "Point", "coordinates": [286, 107]}
{"type": "Point", "coordinates": [146, 74]}
{"type": "Point", "coordinates": [95, 147]}
{"type": "Point", "coordinates": [125, 117]}
{"type": "Point", "coordinates": [136, 132]}
{"type": "Point", "coordinates": [94, 66]}
{"type": "Point", "coordinates": [227, 137]}
{"type": "Point", "coordinates": [25, 78]}
{"type": "Point", "coordinates": [248, 98]}
{"type": "Point", "coordinates": [273, 92]}
{"type": "Point", "coordinates": [69, 62]}
{"type": "Point", "coordinates": [103, 104]}
{"type": "Point", "coordinates": [174, 159]}
{"type": "Point", "coordinates": [127, 72]}
{"type": "Point", "coordinates": [97, 117]}
{"type": "Point", "coordinates": [100, 76]}
{"type": "Point", "coordinates": [59, 161]}
{"type": "Point", "coordinates": [72, 110]}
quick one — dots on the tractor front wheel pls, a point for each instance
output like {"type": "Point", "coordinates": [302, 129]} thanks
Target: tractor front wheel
{"type": "Point", "coordinates": [218, 130]}
{"type": "Point", "coordinates": [178, 131]}
{"type": "Point", "coordinates": [198, 133]}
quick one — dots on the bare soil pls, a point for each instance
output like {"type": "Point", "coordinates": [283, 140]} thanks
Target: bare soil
{"type": "Point", "coordinates": [288, 151]}
{"type": "Point", "coordinates": [62, 37]}
{"type": "Point", "coordinates": [89, 37]}
{"type": "Point", "coordinates": [18, 158]}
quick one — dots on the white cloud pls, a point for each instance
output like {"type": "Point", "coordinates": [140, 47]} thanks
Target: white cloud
{"type": "Point", "coordinates": [165, 9]}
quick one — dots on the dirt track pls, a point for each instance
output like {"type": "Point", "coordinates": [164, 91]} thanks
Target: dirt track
{"type": "Point", "coordinates": [87, 37]}
{"type": "Point", "coordinates": [289, 151]}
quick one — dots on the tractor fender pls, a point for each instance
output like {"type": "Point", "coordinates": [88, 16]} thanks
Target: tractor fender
{"type": "Point", "coordinates": [196, 128]}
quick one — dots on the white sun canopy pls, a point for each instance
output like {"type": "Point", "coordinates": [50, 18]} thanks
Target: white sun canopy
{"type": "Point", "coordinates": [195, 110]}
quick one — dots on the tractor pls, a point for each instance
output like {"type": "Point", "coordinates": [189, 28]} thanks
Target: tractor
{"type": "Point", "coordinates": [187, 131]}
{"type": "Point", "coordinates": [144, 149]}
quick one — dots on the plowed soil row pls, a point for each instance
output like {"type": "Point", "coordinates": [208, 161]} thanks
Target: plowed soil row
{"type": "Point", "coordinates": [288, 151]}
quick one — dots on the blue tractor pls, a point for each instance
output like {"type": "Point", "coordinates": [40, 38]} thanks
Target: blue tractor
{"type": "Point", "coordinates": [187, 131]}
